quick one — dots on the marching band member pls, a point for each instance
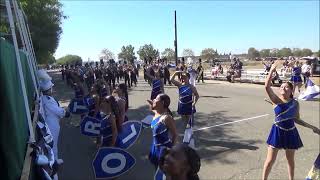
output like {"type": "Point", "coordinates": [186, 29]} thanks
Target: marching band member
{"type": "Point", "coordinates": [52, 113]}
{"type": "Point", "coordinates": [283, 134]}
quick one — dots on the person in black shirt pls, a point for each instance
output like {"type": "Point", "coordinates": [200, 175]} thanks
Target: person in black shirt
{"type": "Point", "coordinates": [166, 75]}
{"type": "Point", "coordinates": [200, 73]}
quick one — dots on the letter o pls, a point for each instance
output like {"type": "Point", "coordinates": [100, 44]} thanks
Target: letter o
{"type": "Point", "coordinates": [109, 170]}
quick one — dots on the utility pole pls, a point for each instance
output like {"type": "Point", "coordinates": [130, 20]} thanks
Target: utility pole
{"type": "Point", "coordinates": [175, 35]}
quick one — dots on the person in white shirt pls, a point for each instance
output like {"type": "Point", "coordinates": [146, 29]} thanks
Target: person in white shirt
{"type": "Point", "coordinates": [52, 113]}
{"type": "Point", "coordinates": [306, 71]}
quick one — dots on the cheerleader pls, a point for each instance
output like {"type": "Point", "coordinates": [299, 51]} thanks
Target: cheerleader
{"type": "Point", "coordinates": [109, 125]}
{"type": "Point", "coordinates": [122, 99]}
{"type": "Point", "coordinates": [78, 91]}
{"type": "Point", "coordinates": [163, 127]}
{"type": "Point", "coordinates": [188, 96]}
{"type": "Point", "coordinates": [296, 79]}
{"type": "Point", "coordinates": [157, 84]}
{"type": "Point", "coordinates": [283, 134]}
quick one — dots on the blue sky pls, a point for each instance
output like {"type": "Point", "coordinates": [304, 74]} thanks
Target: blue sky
{"type": "Point", "coordinates": [231, 26]}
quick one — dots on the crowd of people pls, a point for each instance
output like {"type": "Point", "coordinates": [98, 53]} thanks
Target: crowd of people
{"type": "Point", "coordinates": [107, 100]}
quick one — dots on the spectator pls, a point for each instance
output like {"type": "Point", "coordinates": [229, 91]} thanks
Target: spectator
{"type": "Point", "coordinates": [180, 162]}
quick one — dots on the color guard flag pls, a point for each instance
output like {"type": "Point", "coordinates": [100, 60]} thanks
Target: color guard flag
{"type": "Point", "coordinates": [312, 91]}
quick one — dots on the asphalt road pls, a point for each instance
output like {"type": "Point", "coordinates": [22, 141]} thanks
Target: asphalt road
{"type": "Point", "coordinates": [236, 150]}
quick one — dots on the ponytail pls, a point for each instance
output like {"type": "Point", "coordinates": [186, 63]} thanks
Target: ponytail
{"type": "Point", "coordinates": [116, 111]}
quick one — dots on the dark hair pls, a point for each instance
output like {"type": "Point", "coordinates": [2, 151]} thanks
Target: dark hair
{"type": "Point", "coordinates": [193, 160]}
{"type": "Point", "coordinates": [187, 74]}
{"type": "Point", "coordinates": [166, 102]}
{"type": "Point", "coordinates": [115, 109]}
{"type": "Point", "coordinates": [291, 87]}
{"type": "Point", "coordinates": [124, 89]}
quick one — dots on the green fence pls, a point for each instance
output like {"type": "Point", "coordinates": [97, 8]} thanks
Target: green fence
{"type": "Point", "coordinates": [13, 119]}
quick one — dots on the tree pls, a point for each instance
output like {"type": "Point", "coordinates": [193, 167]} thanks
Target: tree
{"type": "Point", "coordinates": [169, 54]}
{"type": "Point", "coordinates": [127, 53]}
{"type": "Point", "coordinates": [274, 52]}
{"type": "Point", "coordinates": [265, 53]}
{"type": "Point", "coordinates": [187, 53]}
{"type": "Point", "coordinates": [44, 18]}
{"type": "Point", "coordinates": [208, 54]}
{"type": "Point", "coordinates": [147, 51]}
{"type": "Point", "coordinates": [306, 52]}
{"type": "Point", "coordinates": [106, 54]}
{"type": "Point", "coordinates": [297, 52]}
{"type": "Point", "coordinates": [51, 59]}
{"type": "Point", "coordinates": [70, 59]}
{"type": "Point", "coordinates": [253, 53]}
{"type": "Point", "coordinates": [285, 52]}
{"type": "Point", "coordinates": [317, 53]}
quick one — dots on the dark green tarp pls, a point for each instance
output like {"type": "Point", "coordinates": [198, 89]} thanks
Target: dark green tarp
{"type": "Point", "coordinates": [13, 119]}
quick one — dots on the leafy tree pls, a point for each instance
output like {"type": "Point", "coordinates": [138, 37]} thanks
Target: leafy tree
{"type": "Point", "coordinates": [274, 52]}
{"type": "Point", "coordinates": [44, 18]}
{"type": "Point", "coordinates": [285, 52]}
{"type": "Point", "coordinates": [297, 52]}
{"type": "Point", "coordinates": [127, 54]}
{"type": "Point", "coordinates": [265, 53]}
{"type": "Point", "coordinates": [70, 59]}
{"type": "Point", "coordinates": [306, 52]}
{"type": "Point", "coordinates": [317, 53]}
{"type": "Point", "coordinates": [253, 53]}
{"type": "Point", "coordinates": [106, 54]}
{"type": "Point", "coordinates": [148, 51]}
{"type": "Point", "coordinates": [51, 59]}
{"type": "Point", "coordinates": [208, 54]}
{"type": "Point", "coordinates": [188, 53]}
{"type": "Point", "coordinates": [169, 54]}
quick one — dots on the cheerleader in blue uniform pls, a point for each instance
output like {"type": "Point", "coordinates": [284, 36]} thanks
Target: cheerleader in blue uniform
{"type": "Point", "coordinates": [163, 127]}
{"type": "Point", "coordinates": [109, 126]}
{"type": "Point", "coordinates": [296, 79]}
{"type": "Point", "coordinates": [78, 91]}
{"type": "Point", "coordinates": [157, 84]}
{"type": "Point", "coordinates": [188, 96]}
{"type": "Point", "coordinates": [122, 99]}
{"type": "Point", "coordinates": [283, 134]}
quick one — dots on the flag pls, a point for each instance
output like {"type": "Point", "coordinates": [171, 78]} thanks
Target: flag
{"type": "Point", "coordinates": [188, 133]}
{"type": "Point", "coordinates": [312, 91]}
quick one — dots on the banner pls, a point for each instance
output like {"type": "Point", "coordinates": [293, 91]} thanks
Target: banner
{"type": "Point", "coordinates": [111, 162]}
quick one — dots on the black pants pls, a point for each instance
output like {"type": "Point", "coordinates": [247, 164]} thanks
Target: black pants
{"type": "Point", "coordinates": [127, 80]}
{"type": "Point", "coordinates": [133, 80]}
{"type": "Point", "coordinates": [200, 77]}
{"type": "Point", "coordinates": [165, 79]}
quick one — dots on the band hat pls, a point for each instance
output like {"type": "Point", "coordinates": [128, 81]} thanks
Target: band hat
{"type": "Point", "coordinates": [46, 85]}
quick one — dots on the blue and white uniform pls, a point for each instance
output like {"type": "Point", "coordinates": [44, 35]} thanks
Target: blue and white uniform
{"type": "Point", "coordinates": [161, 140]}
{"type": "Point", "coordinates": [185, 100]}
{"type": "Point", "coordinates": [90, 103]}
{"type": "Point", "coordinates": [296, 75]}
{"type": "Point", "coordinates": [52, 113]}
{"type": "Point", "coordinates": [284, 134]}
{"type": "Point", "coordinates": [156, 88]}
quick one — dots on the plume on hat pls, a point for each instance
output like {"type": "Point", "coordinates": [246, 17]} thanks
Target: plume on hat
{"type": "Point", "coordinates": [43, 75]}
